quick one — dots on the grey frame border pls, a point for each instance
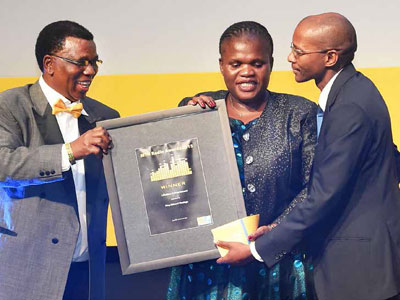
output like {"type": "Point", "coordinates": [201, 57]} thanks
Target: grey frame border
{"type": "Point", "coordinates": [127, 263]}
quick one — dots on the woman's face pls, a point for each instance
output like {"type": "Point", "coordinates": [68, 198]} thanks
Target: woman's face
{"type": "Point", "coordinates": [246, 66]}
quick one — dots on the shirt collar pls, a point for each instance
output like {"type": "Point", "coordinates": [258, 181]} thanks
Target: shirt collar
{"type": "Point", "coordinates": [323, 97]}
{"type": "Point", "coordinates": [52, 95]}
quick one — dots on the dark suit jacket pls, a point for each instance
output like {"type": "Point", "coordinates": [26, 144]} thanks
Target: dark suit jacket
{"type": "Point", "coordinates": [39, 224]}
{"type": "Point", "coordinates": [352, 214]}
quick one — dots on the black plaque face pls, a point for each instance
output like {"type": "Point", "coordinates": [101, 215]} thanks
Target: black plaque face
{"type": "Point", "coordinates": [174, 187]}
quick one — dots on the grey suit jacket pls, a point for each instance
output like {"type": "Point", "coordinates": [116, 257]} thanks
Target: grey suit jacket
{"type": "Point", "coordinates": [352, 214]}
{"type": "Point", "coordinates": [38, 210]}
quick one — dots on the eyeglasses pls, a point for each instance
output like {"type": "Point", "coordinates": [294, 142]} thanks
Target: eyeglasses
{"type": "Point", "coordinates": [298, 52]}
{"type": "Point", "coordinates": [82, 62]}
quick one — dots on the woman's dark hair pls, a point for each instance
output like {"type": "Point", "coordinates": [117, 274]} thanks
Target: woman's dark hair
{"type": "Point", "coordinates": [247, 27]}
{"type": "Point", "coordinates": [52, 37]}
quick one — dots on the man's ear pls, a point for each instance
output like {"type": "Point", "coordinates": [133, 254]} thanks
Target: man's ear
{"type": "Point", "coordinates": [48, 64]}
{"type": "Point", "coordinates": [331, 58]}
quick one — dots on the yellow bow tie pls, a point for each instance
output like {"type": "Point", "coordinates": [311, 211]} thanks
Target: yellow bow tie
{"type": "Point", "coordinates": [74, 110]}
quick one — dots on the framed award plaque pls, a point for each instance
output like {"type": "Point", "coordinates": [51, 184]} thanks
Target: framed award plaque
{"type": "Point", "coordinates": [171, 178]}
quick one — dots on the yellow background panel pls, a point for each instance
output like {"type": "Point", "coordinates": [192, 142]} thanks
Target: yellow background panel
{"type": "Point", "coordinates": [135, 94]}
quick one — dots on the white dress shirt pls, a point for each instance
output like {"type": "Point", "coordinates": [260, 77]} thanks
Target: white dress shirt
{"type": "Point", "coordinates": [70, 132]}
{"type": "Point", "coordinates": [323, 97]}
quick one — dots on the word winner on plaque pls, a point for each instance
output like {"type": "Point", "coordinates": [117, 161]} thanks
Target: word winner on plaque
{"type": "Point", "coordinates": [173, 186]}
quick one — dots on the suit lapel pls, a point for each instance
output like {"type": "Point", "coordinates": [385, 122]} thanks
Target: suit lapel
{"type": "Point", "coordinates": [92, 112]}
{"type": "Point", "coordinates": [93, 165]}
{"type": "Point", "coordinates": [45, 120]}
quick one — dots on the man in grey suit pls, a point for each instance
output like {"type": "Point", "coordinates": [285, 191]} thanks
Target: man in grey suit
{"type": "Point", "coordinates": [351, 216]}
{"type": "Point", "coordinates": [53, 197]}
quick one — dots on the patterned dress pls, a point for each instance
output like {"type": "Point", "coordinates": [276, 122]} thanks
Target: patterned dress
{"type": "Point", "coordinates": [291, 278]}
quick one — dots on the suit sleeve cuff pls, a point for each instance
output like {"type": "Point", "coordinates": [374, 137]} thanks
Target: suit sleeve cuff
{"type": "Point", "coordinates": [254, 252]}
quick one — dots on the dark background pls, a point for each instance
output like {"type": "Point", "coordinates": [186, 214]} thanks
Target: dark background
{"type": "Point", "coordinates": [149, 285]}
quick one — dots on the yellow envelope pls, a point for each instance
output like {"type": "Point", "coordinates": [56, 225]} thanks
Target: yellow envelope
{"type": "Point", "coordinates": [236, 231]}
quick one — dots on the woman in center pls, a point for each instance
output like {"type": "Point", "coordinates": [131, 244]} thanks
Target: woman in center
{"type": "Point", "coordinates": [274, 136]}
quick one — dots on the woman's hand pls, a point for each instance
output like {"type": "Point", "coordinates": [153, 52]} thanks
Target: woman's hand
{"type": "Point", "coordinates": [203, 101]}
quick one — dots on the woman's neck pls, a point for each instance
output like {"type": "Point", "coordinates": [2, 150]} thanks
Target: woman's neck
{"type": "Point", "coordinates": [245, 111]}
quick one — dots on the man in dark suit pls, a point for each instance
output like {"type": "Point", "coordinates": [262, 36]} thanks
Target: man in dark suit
{"type": "Point", "coordinates": [351, 217]}
{"type": "Point", "coordinates": [53, 197]}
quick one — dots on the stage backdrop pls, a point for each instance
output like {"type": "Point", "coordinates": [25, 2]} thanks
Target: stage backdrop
{"type": "Point", "coordinates": [136, 94]}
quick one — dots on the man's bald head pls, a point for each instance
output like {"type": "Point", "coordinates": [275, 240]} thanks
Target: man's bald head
{"type": "Point", "coordinates": [331, 31]}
